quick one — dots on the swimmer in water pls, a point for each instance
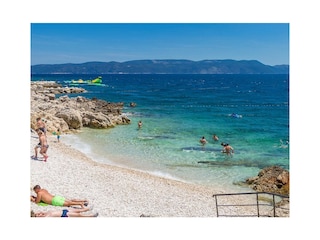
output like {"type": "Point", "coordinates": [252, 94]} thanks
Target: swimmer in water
{"type": "Point", "coordinates": [203, 141]}
{"type": "Point", "coordinates": [215, 137]}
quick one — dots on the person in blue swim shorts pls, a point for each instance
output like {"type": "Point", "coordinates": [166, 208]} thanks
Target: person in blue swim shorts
{"type": "Point", "coordinates": [44, 196]}
{"type": "Point", "coordinates": [73, 212]}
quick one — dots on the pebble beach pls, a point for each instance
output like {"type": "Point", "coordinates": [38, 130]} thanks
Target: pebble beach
{"type": "Point", "coordinates": [115, 191]}
{"type": "Point", "coordinates": [121, 196]}
{"type": "Point", "coordinates": [127, 199]}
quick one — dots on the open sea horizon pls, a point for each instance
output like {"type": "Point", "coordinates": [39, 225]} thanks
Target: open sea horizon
{"type": "Point", "coordinates": [250, 112]}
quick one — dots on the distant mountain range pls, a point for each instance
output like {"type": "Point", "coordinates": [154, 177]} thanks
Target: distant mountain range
{"type": "Point", "coordinates": [162, 67]}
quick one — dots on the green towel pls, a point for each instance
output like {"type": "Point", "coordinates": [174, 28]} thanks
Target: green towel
{"type": "Point", "coordinates": [42, 204]}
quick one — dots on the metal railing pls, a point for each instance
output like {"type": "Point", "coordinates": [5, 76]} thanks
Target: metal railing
{"type": "Point", "coordinates": [262, 204]}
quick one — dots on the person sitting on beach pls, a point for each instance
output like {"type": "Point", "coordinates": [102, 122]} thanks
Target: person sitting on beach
{"type": "Point", "coordinates": [43, 145]}
{"type": "Point", "coordinates": [203, 141]}
{"type": "Point", "coordinates": [45, 197]}
{"type": "Point", "coordinates": [73, 212]}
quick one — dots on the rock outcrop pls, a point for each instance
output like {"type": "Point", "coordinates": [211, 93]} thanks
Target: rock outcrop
{"type": "Point", "coordinates": [71, 114]}
{"type": "Point", "coordinates": [272, 179]}
{"type": "Point", "coordinates": [49, 88]}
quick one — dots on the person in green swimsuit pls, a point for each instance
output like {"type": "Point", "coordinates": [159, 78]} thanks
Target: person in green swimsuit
{"type": "Point", "coordinates": [43, 196]}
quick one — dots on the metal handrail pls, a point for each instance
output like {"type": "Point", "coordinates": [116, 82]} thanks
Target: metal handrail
{"type": "Point", "coordinates": [257, 204]}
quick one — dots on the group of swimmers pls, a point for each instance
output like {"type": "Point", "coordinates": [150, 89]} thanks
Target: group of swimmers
{"type": "Point", "coordinates": [226, 147]}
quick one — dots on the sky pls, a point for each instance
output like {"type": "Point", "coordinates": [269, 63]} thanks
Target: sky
{"type": "Point", "coordinates": [55, 43]}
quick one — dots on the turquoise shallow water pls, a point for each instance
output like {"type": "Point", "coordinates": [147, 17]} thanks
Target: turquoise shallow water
{"type": "Point", "coordinates": [177, 110]}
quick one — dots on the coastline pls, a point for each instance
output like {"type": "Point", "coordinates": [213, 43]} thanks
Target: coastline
{"type": "Point", "coordinates": [115, 191]}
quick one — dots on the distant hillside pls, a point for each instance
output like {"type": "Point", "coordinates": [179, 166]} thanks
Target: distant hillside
{"type": "Point", "coordinates": [162, 67]}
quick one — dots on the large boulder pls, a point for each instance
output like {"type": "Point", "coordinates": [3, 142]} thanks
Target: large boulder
{"type": "Point", "coordinates": [71, 117]}
{"type": "Point", "coordinates": [52, 122]}
{"type": "Point", "coordinates": [271, 179]}
{"type": "Point", "coordinates": [96, 120]}
{"type": "Point", "coordinates": [121, 119]}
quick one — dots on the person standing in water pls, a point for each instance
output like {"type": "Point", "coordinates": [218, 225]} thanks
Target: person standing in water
{"type": "Point", "coordinates": [203, 141]}
{"type": "Point", "coordinates": [227, 149]}
{"type": "Point", "coordinates": [140, 124]}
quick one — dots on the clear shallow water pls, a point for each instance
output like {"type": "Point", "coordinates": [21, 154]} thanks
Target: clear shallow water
{"type": "Point", "coordinates": [177, 110]}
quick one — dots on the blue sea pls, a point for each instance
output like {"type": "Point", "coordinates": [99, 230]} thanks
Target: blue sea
{"type": "Point", "coordinates": [250, 112]}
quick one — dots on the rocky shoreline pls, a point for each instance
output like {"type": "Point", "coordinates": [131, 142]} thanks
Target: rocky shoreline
{"type": "Point", "coordinates": [271, 179]}
{"type": "Point", "coordinates": [71, 114]}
